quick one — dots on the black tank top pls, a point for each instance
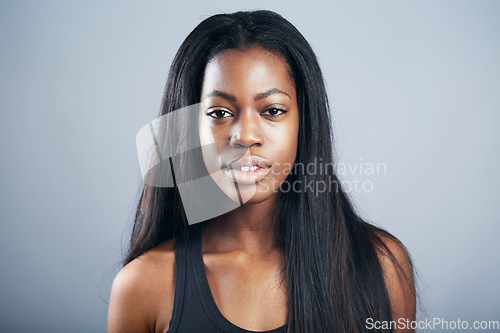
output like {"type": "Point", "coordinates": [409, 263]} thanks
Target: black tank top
{"type": "Point", "coordinates": [195, 310]}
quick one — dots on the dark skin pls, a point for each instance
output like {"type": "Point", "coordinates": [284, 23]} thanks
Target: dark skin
{"type": "Point", "coordinates": [250, 105]}
{"type": "Point", "coordinates": [242, 260]}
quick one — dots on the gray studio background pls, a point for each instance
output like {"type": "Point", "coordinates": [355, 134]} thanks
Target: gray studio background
{"type": "Point", "coordinates": [413, 85]}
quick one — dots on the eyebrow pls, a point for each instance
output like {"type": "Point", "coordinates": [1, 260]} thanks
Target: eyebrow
{"type": "Point", "coordinates": [257, 97]}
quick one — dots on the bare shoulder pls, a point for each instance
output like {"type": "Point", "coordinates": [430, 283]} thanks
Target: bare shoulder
{"type": "Point", "coordinates": [142, 294]}
{"type": "Point", "coordinates": [398, 275]}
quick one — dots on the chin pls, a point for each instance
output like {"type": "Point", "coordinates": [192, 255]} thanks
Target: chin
{"type": "Point", "coordinates": [256, 194]}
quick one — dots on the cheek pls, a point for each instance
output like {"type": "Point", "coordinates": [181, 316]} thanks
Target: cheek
{"type": "Point", "coordinates": [286, 139]}
{"type": "Point", "coordinates": [210, 133]}
{"type": "Point", "coordinates": [208, 146]}
{"type": "Point", "coordinates": [206, 135]}
{"type": "Point", "coordinates": [290, 148]}
{"type": "Point", "coordinates": [285, 149]}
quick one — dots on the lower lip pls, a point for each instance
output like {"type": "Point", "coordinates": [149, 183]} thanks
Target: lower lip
{"type": "Point", "coordinates": [248, 177]}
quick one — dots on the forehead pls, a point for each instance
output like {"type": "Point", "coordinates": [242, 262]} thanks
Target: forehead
{"type": "Point", "coordinates": [247, 70]}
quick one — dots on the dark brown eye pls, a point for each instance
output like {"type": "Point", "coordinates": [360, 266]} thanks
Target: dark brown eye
{"type": "Point", "coordinates": [219, 114]}
{"type": "Point", "coordinates": [274, 112]}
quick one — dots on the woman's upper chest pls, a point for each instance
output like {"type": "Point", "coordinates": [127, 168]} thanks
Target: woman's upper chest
{"type": "Point", "coordinates": [249, 292]}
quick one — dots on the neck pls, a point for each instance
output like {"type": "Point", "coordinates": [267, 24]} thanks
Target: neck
{"type": "Point", "coordinates": [248, 229]}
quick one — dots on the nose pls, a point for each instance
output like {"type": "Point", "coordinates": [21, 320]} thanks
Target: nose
{"type": "Point", "coordinates": [247, 132]}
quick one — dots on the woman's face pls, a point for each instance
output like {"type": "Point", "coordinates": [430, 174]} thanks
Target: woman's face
{"type": "Point", "coordinates": [248, 123]}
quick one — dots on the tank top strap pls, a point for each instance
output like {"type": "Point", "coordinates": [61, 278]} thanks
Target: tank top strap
{"type": "Point", "coordinates": [189, 314]}
{"type": "Point", "coordinates": [180, 278]}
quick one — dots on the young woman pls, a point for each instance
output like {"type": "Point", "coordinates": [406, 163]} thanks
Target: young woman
{"type": "Point", "coordinates": [292, 255]}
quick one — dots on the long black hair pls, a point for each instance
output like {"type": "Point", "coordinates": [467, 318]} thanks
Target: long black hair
{"type": "Point", "coordinates": [334, 278]}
